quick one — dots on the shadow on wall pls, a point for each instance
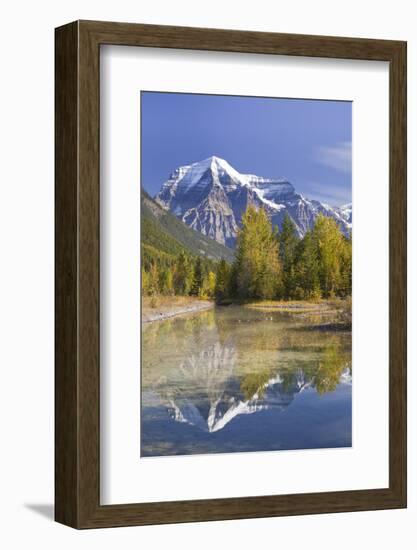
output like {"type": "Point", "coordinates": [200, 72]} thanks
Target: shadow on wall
{"type": "Point", "coordinates": [45, 510]}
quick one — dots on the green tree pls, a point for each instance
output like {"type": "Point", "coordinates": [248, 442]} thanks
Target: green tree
{"type": "Point", "coordinates": [153, 280]}
{"type": "Point", "coordinates": [223, 274]}
{"type": "Point", "coordinates": [306, 269]}
{"type": "Point", "coordinates": [166, 282]}
{"type": "Point", "coordinates": [288, 242]}
{"type": "Point", "coordinates": [346, 267]}
{"type": "Point", "coordinates": [145, 282]}
{"type": "Point", "coordinates": [209, 285]}
{"type": "Point", "coordinates": [257, 264]}
{"type": "Point", "coordinates": [329, 243]}
{"type": "Point", "coordinates": [197, 283]}
{"type": "Point", "coordinates": [233, 277]}
{"type": "Point", "coordinates": [183, 276]}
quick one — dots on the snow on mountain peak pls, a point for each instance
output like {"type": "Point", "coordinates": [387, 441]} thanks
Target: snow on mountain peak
{"type": "Point", "coordinates": [211, 196]}
{"type": "Point", "coordinates": [215, 170]}
{"type": "Point", "coordinates": [346, 213]}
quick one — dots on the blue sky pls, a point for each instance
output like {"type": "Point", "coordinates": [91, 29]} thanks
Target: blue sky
{"type": "Point", "coordinates": [309, 142]}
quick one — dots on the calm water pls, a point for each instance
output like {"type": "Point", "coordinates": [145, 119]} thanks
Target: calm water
{"type": "Point", "coordinates": [238, 379]}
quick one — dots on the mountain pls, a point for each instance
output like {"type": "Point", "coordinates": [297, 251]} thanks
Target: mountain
{"type": "Point", "coordinates": [346, 212]}
{"type": "Point", "coordinates": [220, 399]}
{"type": "Point", "coordinates": [210, 196]}
{"type": "Point", "coordinates": [164, 232]}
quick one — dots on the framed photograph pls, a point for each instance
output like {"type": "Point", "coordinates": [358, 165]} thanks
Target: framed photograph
{"type": "Point", "coordinates": [230, 274]}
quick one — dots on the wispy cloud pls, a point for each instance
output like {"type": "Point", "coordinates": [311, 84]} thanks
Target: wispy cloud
{"type": "Point", "coordinates": [334, 195]}
{"type": "Point", "coordinates": [338, 157]}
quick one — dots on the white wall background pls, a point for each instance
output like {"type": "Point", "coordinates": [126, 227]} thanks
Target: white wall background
{"type": "Point", "coordinates": [26, 273]}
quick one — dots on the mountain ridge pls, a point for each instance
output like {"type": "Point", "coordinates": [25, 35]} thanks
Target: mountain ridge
{"type": "Point", "coordinates": [210, 196]}
{"type": "Point", "coordinates": [165, 232]}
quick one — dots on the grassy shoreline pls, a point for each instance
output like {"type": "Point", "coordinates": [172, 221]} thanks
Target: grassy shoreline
{"type": "Point", "coordinates": [329, 313]}
{"type": "Point", "coordinates": [301, 306]}
{"type": "Point", "coordinates": [159, 308]}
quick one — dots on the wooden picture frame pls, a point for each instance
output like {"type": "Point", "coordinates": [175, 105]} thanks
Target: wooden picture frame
{"type": "Point", "coordinates": [77, 382]}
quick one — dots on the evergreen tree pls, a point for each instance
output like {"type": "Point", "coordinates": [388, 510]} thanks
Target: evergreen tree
{"type": "Point", "coordinates": [166, 283]}
{"type": "Point", "coordinates": [145, 282]}
{"type": "Point", "coordinates": [209, 285]}
{"type": "Point", "coordinates": [222, 289]}
{"type": "Point", "coordinates": [346, 267]}
{"type": "Point", "coordinates": [306, 269]}
{"type": "Point", "coordinates": [233, 276]}
{"type": "Point", "coordinates": [183, 275]}
{"type": "Point", "coordinates": [288, 242]}
{"type": "Point", "coordinates": [198, 278]}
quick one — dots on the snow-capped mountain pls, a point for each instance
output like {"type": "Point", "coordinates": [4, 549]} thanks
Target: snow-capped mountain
{"type": "Point", "coordinates": [213, 414]}
{"type": "Point", "coordinates": [211, 196]}
{"type": "Point", "coordinates": [216, 413]}
{"type": "Point", "coordinates": [346, 212]}
{"type": "Point", "coordinates": [219, 398]}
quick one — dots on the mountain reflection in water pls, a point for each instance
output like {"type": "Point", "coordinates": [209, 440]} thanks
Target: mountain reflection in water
{"type": "Point", "coordinates": [236, 379]}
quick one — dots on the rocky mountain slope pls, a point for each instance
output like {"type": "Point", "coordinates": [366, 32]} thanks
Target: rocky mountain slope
{"type": "Point", "coordinates": [210, 196]}
{"type": "Point", "coordinates": [163, 231]}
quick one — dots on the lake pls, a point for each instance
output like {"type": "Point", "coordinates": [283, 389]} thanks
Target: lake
{"type": "Point", "coordinates": [238, 379]}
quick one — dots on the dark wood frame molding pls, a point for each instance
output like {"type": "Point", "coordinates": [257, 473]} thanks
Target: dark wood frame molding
{"type": "Point", "coordinates": [77, 434]}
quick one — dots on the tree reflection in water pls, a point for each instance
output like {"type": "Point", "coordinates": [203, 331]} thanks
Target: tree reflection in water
{"type": "Point", "coordinates": [208, 371]}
